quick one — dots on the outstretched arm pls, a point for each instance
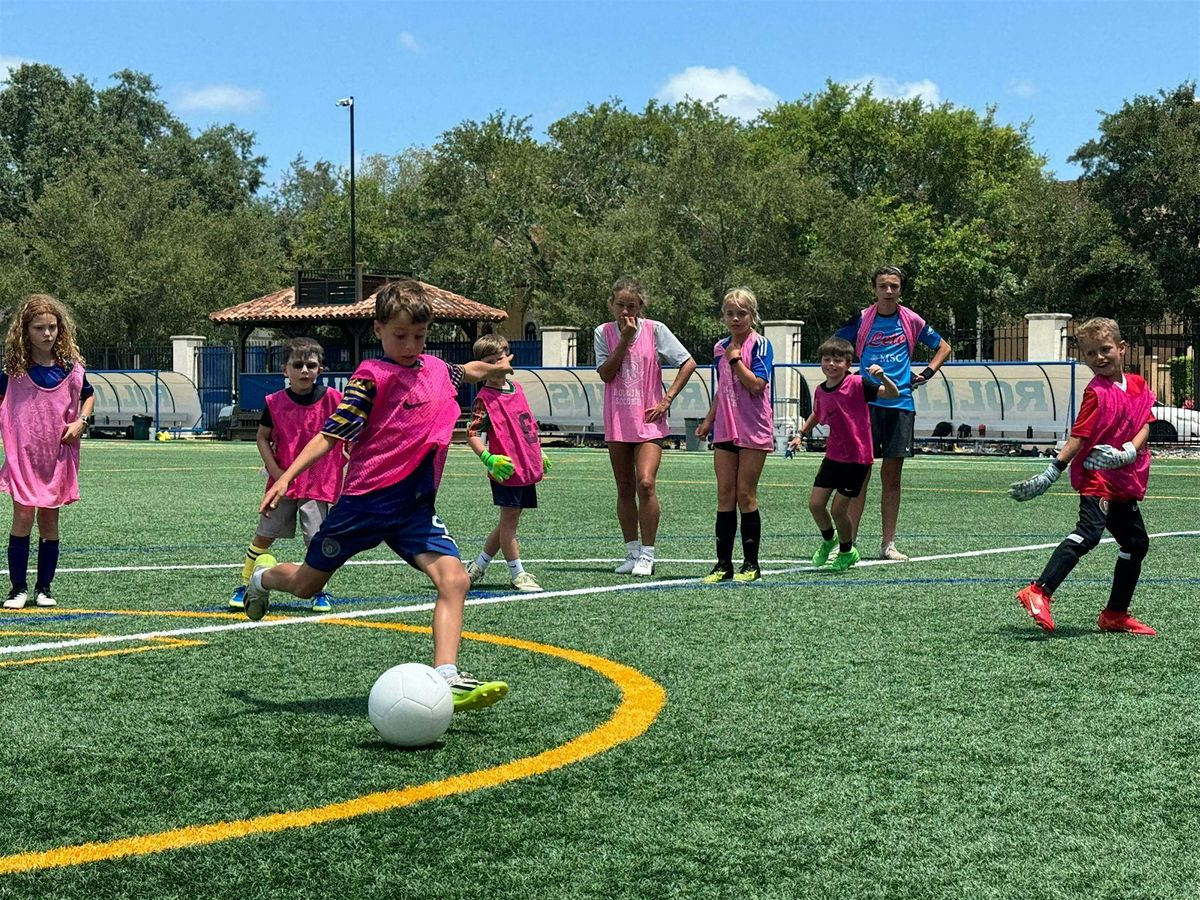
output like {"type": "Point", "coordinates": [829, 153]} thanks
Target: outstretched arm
{"type": "Point", "coordinates": [312, 452]}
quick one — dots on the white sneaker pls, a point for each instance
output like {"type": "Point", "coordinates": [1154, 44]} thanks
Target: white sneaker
{"type": "Point", "coordinates": [45, 598]}
{"type": "Point", "coordinates": [526, 583]}
{"type": "Point", "coordinates": [626, 567]}
{"type": "Point", "coordinates": [889, 551]}
{"type": "Point", "coordinates": [16, 599]}
{"type": "Point", "coordinates": [475, 572]}
{"type": "Point", "coordinates": [644, 566]}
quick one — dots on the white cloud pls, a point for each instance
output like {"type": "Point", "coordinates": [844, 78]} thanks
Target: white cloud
{"type": "Point", "coordinates": [891, 89]}
{"type": "Point", "coordinates": [739, 96]}
{"type": "Point", "coordinates": [1022, 87]}
{"type": "Point", "coordinates": [8, 63]}
{"type": "Point", "coordinates": [221, 97]}
{"type": "Point", "coordinates": [408, 41]}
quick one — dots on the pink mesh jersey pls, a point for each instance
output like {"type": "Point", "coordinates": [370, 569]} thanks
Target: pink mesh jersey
{"type": "Point", "coordinates": [636, 388]}
{"type": "Point", "coordinates": [1120, 415]}
{"type": "Point", "coordinates": [292, 426]}
{"type": "Point", "coordinates": [513, 432]}
{"type": "Point", "coordinates": [741, 417]}
{"type": "Point", "coordinates": [848, 416]}
{"type": "Point", "coordinates": [39, 469]}
{"type": "Point", "coordinates": [414, 412]}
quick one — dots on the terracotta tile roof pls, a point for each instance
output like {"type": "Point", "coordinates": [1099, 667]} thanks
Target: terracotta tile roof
{"type": "Point", "coordinates": [280, 307]}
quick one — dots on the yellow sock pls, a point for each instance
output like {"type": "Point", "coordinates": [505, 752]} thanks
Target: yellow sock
{"type": "Point", "coordinates": [252, 556]}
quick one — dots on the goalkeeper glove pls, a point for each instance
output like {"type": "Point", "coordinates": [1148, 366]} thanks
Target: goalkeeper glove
{"type": "Point", "coordinates": [546, 464]}
{"type": "Point", "coordinates": [1104, 456]}
{"type": "Point", "coordinates": [1038, 484]}
{"type": "Point", "coordinates": [499, 467]}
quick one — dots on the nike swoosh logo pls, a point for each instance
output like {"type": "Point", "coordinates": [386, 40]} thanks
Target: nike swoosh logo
{"type": "Point", "coordinates": [408, 405]}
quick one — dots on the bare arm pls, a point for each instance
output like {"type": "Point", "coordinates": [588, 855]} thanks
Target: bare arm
{"type": "Point", "coordinates": [263, 440]}
{"type": "Point", "coordinates": [312, 452]}
{"type": "Point", "coordinates": [477, 370]}
{"type": "Point", "coordinates": [940, 355]}
{"type": "Point", "coordinates": [609, 368]}
{"type": "Point", "coordinates": [73, 431]}
{"type": "Point", "coordinates": [706, 423]}
{"type": "Point", "coordinates": [663, 406]}
{"type": "Point", "coordinates": [887, 387]}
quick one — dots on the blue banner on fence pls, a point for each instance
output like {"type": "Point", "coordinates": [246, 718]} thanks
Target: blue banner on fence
{"type": "Point", "coordinates": [254, 387]}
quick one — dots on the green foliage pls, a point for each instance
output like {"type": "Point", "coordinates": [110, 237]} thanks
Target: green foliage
{"type": "Point", "coordinates": [1144, 168]}
{"type": "Point", "coordinates": [1183, 383]}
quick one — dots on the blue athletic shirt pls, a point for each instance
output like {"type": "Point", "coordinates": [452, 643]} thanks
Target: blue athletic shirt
{"type": "Point", "coordinates": [887, 347]}
{"type": "Point", "coordinates": [49, 377]}
{"type": "Point", "coordinates": [760, 361]}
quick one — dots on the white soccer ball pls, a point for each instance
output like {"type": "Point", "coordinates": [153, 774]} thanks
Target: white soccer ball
{"type": "Point", "coordinates": [410, 705]}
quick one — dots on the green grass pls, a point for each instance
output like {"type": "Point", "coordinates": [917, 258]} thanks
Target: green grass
{"type": "Point", "coordinates": [899, 731]}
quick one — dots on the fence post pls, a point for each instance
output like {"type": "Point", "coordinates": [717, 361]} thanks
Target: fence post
{"type": "Point", "coordinates": [183, 355]}
{"type": "Point", "coordinates": [559, 345]}
{"type": "Point", "coordinates": [1047, 339]}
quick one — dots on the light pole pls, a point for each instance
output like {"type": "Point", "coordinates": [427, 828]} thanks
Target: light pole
{"type": "Point", "coordinates": [349, 101]}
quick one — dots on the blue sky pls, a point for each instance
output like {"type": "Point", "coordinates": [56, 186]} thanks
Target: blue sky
{"type": "Point", "coordinates": [417, 69]}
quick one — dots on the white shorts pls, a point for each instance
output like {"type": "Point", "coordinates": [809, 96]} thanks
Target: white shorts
{"type": "Point", "coordinates": [282, 521]}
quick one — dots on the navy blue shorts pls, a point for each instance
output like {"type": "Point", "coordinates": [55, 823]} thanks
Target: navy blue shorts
{"type": "Point", "coordinates": [360, 523]}
{"type": "Point", "coordinates": [520, 497]}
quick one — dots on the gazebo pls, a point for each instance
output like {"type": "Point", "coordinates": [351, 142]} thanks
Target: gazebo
{"type": "Point", "coordinates": [330, 297]}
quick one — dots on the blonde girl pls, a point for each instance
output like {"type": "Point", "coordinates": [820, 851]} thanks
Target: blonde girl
{"type": "Point", "coordinates": [45, 400]}
{"type": "Point", "coordinates": [742, 427]}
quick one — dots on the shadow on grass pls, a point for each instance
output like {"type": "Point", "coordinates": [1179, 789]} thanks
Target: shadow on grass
{"type": "Point", "coordinates": [1033, 633]}
{"type": "Point", "coordinates": [323, 706]}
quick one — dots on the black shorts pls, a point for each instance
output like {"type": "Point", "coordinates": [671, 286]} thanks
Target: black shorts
{"type": "Point", "coordinates": [519, 497]}
{"type": "Point", "coordinates": [727, 446]}
{"type": "Point", "coordinates": [846, 478]}
{"type": "Point", "coordinates": [892, 431]}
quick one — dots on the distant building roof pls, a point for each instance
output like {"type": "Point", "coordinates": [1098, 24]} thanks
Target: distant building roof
{"type": "Point", "coordinates": [280, 308]}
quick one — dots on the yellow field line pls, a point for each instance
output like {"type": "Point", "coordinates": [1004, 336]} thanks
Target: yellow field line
{"type": "Point", "coordinates": [161, 644]}
{"type": "Point", "coordinates": [641, 701]}
{"type": "Point", "coordinates": [71, 634]}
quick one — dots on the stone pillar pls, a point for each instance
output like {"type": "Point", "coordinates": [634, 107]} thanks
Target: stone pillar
{"type": "Point", "coordinates": [183, 355]}
{"type": "Point", "coordinates": [784, 335]}
{"type": "Point", "coordinates": [558, 345]}
{"type": "Point", "coordinates": [1047, 341]}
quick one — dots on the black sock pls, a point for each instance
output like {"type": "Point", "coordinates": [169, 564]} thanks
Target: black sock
{"type": "Point", "coordinates": [726, 531]}
{"type": "Point", "coordinates": [844, 547]}
{"type": "Point", "coordinates": [47, 564]}
{"type": "Point", "coordinates": [18, 561]}
{"type": "Point", "coordinates": [751, 533]}
{"type": "Point", "coordinates": [827, 534]}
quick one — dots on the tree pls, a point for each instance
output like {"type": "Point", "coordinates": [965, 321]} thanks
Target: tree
{"type": "Point", "coordinates": [1144, 168]}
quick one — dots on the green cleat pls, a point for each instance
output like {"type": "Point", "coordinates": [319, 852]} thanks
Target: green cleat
{"type": "Point", "coordinates": [822, 555]}
{"type": "Point", "coordinates": [471, 693]}
{"type": "Point", "coordinates": [843, 561]}
{"type": "Point", "coordinates": [750, 572]}
{"type": "Point", "coordinates": [257, 597]}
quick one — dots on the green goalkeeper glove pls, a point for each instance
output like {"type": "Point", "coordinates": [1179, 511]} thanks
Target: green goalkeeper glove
{"type": "Point", "coordinates": [499, 467]}
{"type": "Point", "coordinates": [546, 464]}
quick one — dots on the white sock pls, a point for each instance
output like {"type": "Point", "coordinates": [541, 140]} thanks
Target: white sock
{"type": "Point", "coordinates": [647, 552]}
{"type": "Point", "coordinates": [633, 548]}
{"type": "Point", "coordinates": [447, 670]}
{"type": "Point", "coordinates": [483, 560]}
{"type": "Point", "coordinates": [514, 567]}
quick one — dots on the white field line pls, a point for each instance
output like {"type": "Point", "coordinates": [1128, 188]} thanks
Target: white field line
{"type": "Point", "coordinates": [486, 601]}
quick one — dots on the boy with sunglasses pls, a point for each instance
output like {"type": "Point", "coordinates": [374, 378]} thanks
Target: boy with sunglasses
{"type": "Point", "coordinates": [290, 419]}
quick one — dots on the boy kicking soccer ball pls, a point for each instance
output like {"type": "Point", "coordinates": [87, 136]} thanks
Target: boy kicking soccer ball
{"type": "Point", "coordinates": [1110, 467]}
{"type": "Point", "coordinates": [398, 414]}
{"type": "Point", "coordinates": [513, 457]}
{"type": "Point", "coordinates": [842, 403]}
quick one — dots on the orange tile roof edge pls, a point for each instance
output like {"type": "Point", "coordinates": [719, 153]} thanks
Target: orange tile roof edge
{"type": "Point", "coordinates": [281, 307]}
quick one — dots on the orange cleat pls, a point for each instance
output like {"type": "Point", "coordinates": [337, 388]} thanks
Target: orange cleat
{"type": "Point", "coordinates": [1122, 621]}
{"type": "Point", "coordinates": [1037, 603]}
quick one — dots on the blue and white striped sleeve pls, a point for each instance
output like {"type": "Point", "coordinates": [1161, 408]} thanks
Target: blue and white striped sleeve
{"type": "Point", "coordinates": [763, 359]}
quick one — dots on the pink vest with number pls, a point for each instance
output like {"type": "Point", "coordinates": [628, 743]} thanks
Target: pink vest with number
{"type": "Point", "coordinates": [848, 416]}
{"type": "Point", "coordinates": [414, 413]}
{"type": "Point", "coordinates": [1120, 414]}
{"type": "Point", "coordinates": [513, 432]}
{"type": "Point", "coordinates": [39, 469]}
{"type": "Point", "coordinates": [636, 388]}
{"type": "Point", "coordinates": [293, 425]}
{"type": "Point", "coordinates": [742, 417]}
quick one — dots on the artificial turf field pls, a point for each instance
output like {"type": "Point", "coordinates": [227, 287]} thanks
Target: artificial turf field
{"type": "Point", "coordinates": [896, 731]}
